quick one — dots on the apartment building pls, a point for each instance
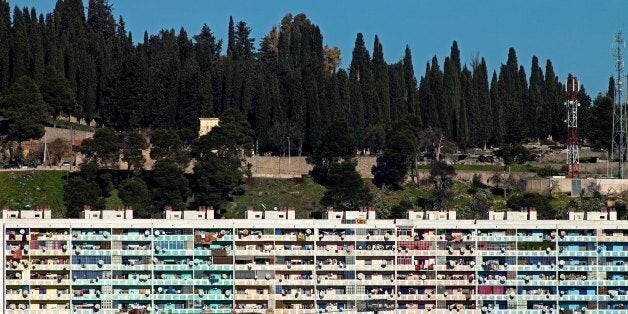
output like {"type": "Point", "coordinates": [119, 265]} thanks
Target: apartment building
{"type": "Point", "coordinates": [350, 262]}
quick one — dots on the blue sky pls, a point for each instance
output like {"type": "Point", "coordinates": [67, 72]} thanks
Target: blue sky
{"type": "Point", "coordinates": [576, 35]}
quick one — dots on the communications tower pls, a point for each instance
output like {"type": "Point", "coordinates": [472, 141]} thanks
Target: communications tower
{"type": "Point", "coordinates": [619, 143]}
{"type": "Point", "coordinates": [572, 168]}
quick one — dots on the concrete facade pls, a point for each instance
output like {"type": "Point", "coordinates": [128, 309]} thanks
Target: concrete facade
{"type": "Point", "coordinates": [348, 262]}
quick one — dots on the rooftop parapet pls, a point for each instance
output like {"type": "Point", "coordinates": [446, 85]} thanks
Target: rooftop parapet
{"type": "Point", "coordinates": [278, 213]}
{"type": "Point", "coordinates": [449, 214]}
{"type": "Point", "coordinates": [525, 213]}
{"type": "Point", "coordinates": [353, 216]}
{"type": "Point", "coordinates": [125, 212]}
{"type": "Point", "coordinates": [40, 212]}
{"type": "Point", "coordinates": [603, 214]}
{"type": "Point", "coordinates": [203, 212]}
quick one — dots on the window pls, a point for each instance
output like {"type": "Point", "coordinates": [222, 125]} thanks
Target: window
{"type": "Point", "coordinates": [368, 262]}
{"type": "Point", "coordinates": [260, 291]}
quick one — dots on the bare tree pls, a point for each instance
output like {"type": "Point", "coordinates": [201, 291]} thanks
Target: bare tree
{"type": "Point", "coordinates": [431, 142]}
{"type": "Point", "coordinates": [59, 149]}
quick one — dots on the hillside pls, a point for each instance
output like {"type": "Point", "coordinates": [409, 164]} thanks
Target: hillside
{"type": "Point", "coordinates": [28, 189]}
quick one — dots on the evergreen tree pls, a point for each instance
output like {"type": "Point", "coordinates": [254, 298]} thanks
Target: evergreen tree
{"type": "Point", "coordinates": [170, 186]}
{"type": "Point", "coordinates": [485, 114]}
{"type": "Point", "coordinates": [24, 110]}
{"type": "Point", "coordinates": [534, 105]}
{"type": "Point", "coordinates": [134, 192]}
{"type": "Point", "coordinates": [5, 50]}
{"type": "Point", "coordinates": [382, 84]}
{"type": "Point", "coordinates": [498, 111]}
{"type": "Point", "coordinates": [133, 144]}
{"type": "Point", "coordinates": [231, 38]}
{"type": "Point", "coordinates": [393, 165]}
{"type": "Point", "coordinates": [346, 190]}
{"type": "Point", "coordinates": [410, 83]}
{"type": "Point", "coordinates": [58, 94]}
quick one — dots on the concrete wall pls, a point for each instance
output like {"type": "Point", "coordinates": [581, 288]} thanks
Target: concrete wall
{"type": "Point", "coordinates": [279, 167]}
{"type": "Point", "coordinates": [564, 185]}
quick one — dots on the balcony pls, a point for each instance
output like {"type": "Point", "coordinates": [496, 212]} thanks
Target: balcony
{"type": "Point", "coordinates": [334, 252]}
{"type": "Point", "coordinates": [132, 237]}
{"type": "Point", "coordinates": [532, 238]}
{"type": "Point", "coordinates": [214, 267]}
{"type": "Point", "coordinates": [126, 297]}
{"type": "Point", "coordinates": [176, 297]}
{"type": "Point", "coordinates": [257, 238]}
{"type": "Point", "coordinates": [293, 237]}
{"type": "Point", "coordinates": [496, 238]}
{"type": "Point", "coordinates": [257, 252]}
{"type": "Point", "coordinates": [374, 252]}
{"type": "Point", "coordinates": [41, 252]}
{"type": "Point", "coordinates": [336, 282]}
{"type": "Point", "coordinates": [177, 237]}
{"type": "Point", "coordinates": [47, 282]}
{"type": "Point", "coordinates": [336, 297]}
{"type": "Point", "coordinates": [48, 297]}
{"type": "Point", "coordinates": [263, 297]}
{"type": "Point", "coordinates": [417, 282]}
{"type": "Point", "coordinates": [57, 267]}
{"type": "Point", "coordinates": [574, 238]}
{"type": "Point", "coordinates": [612, 238]}
{"type": "Point", "coordinates": [503, 253]}
{"type": "Point", "coordinates": [571, 297]}
{"type": "Point", "coordinates": [89, 237]}
{"type": "Point", "coordinates": [567, 253]}
{"type": "Point", "coordinates": [613, 254]}
{"type": "Point", "coordinates": [180, 253]}
{"type": "Point", "coordinates": [271, 267]}
{"type": "Point", "coordinates": [337, 238]}
{"type": "Point", "coordinates": [172, 282]}
{"type": "Point", "coordinates": [293, 252]}
{"type": "Point", "coordinates": [295, 282]}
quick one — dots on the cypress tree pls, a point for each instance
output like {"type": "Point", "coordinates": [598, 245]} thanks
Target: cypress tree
{"type": "Point", "coordinates": [231, 38]}
{"type": "Point", "coordinates": [498, 112]}
{"type": "Point", "coordinates": [534, 106]}
{"type": "Point", "coordinates": [189, 102]}
{"type": "Point", "coordinates": [382, 84]}
{"type": "Point", "coordinates": [410, 82]}
{"type": "Point", "coordinates": [19, 46]}
{"type": "Point", "coordinates": [360, 98]}
{"type": "Point", "coordinates": [5, 37]}
{"type": "Point", "coordinates": [481, 86]}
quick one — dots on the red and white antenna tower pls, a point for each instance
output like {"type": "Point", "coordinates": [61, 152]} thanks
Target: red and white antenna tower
{"type": "Point", "coordinates": [573, 155]}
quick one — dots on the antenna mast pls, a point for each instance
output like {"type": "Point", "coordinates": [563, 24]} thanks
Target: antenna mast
{"type": "Point", "coordinates": [619, 141]}
{"type": "Point", "coordinates": [572, 168]}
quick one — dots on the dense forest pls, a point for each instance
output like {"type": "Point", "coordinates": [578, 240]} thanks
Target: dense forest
{"type": "Point", "coordinates": [288, 84]}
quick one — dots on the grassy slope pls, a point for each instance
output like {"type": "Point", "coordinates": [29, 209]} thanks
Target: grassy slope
{"type": "Point", "coordinates": [27, 189]}
{"type": "Point", "coordinates": [304, 197]}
